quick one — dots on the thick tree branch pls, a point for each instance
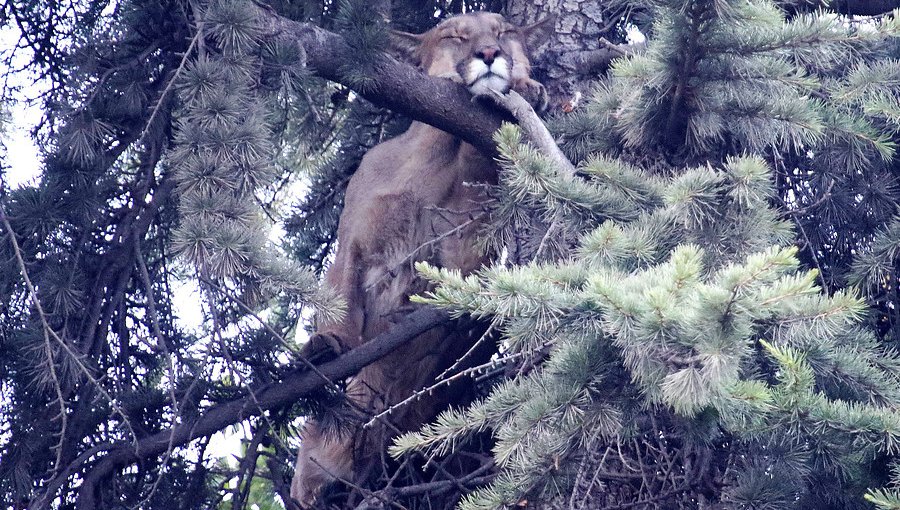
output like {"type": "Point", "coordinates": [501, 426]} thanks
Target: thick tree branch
{"type": "Point", "coordinates": [395, 85]}
{"type": "Point", "coordinates": [292, 387]}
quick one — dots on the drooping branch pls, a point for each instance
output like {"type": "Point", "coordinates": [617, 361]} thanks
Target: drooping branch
{"type": "Point", "coordinates": [292, 387]}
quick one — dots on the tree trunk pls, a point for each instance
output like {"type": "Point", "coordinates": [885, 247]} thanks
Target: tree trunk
{"type": "Point", "coordinates": [580, 25]}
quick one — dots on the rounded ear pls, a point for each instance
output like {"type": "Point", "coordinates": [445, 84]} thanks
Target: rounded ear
{"type": "Point", "coordinates": [406, 45]}
{"type": "Point", "coordinates": [540, 31]}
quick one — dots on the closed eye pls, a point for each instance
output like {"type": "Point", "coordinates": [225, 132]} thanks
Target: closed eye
{"type": "Point", "coordinates": [454, 38]}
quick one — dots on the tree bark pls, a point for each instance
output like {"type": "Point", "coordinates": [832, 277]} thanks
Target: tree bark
{"type": "Point", "coordinates": [579, 29]}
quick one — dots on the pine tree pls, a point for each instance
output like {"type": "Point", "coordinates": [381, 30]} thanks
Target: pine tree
{"type": "Point", "coordinates": [705, 316]}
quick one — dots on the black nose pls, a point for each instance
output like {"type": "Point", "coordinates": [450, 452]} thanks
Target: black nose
{"type": "Point", "coordinates": [488, 54]}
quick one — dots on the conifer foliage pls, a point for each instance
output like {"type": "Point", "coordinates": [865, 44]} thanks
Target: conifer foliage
{"type": "Point", "coordinates": [705, 315]}
{"type": "Point", "coordinates": [695, 368]}
{"type": "Point", "coordinates": [676, 354]}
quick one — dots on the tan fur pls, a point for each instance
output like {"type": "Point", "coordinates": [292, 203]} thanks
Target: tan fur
{"type": "Point", "coordinates": [407, 192]}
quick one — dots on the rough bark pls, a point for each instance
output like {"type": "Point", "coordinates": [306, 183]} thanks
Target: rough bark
{"type": "Point", "coordinates": [580, 27]}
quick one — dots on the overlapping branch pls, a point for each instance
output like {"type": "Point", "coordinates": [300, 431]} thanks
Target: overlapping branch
{"type": "Point", "coordinates": [293, 386]}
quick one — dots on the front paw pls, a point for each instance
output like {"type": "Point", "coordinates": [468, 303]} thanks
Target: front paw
{"type": "Point", "coordinates": [533, 92]}
{"type": "Point", "coordinates": [322, 347]}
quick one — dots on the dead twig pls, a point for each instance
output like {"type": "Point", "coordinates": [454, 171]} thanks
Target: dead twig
{"type": "Point", "coordinates": [443, 382]}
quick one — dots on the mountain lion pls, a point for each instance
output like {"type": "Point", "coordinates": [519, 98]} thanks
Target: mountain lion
{"type": "Point", "coordinates": [415, 197]}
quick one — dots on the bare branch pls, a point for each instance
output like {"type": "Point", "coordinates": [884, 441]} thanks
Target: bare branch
{"type": "Point", "coordinates": [535, 130]}
{"type": "Point", "coordinates": [595, 61]}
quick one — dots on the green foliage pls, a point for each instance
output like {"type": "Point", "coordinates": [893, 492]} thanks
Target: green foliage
{"type": "Point", "coordinates": [884, 500]}
{"type": "Point", "coordinates": [106, 359]}
{"type": "Point", "coordinates": [875, 271]}
{"type": "Point", "coordinates": [366, 32]}
{"type": "Point", "coordinates": [734, 337]}
{"type": "Point", "coordinates": [815, 92]}
{"type": "Point", "coordinates": [224, 156]}
{"type": "Point", "coordinates": [737, 76]}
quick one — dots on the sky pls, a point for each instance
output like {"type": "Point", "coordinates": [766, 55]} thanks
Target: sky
{"type": "Point", "coordinates": [21, 152]}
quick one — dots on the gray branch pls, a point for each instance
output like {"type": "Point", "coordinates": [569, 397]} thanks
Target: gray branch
{"type": "Point", "coordinates": [535, 130]}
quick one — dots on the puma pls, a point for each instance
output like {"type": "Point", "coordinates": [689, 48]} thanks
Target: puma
{"type": "Point", "coordinates": [415, 197]}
